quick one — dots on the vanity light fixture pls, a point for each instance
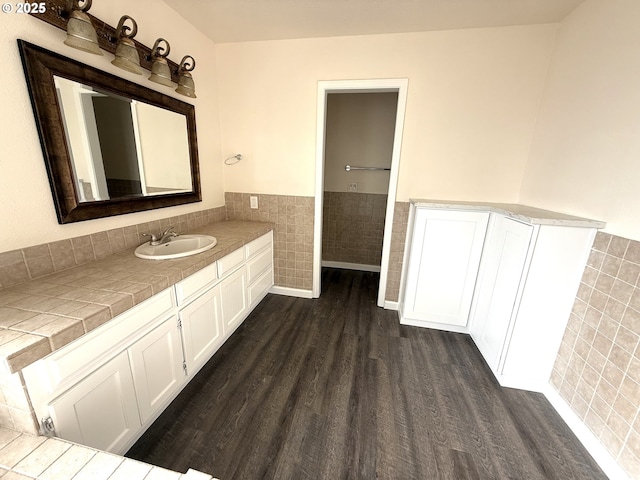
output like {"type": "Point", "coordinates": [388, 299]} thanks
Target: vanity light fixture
{"type": "Point", "coordinates": [186, 86]}
{"type": "Point", "coordinates": [127, 56]}
{"type": "Point", "coordinates": [160, 71]}
{"type": "Point", "coordinates": [81, 33]}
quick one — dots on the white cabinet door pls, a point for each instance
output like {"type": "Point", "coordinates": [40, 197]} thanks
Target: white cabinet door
{"type": "Point", "coordinates": [202, 332]}
{"type": "Point", "coordinates": [503, 265]}
{"type": "Point", "coordinates": [100, 411]}
{"type": "Point", "coordinates": [156, 362]}
{"type": "Point", "coordinates": [443, 265]}
{"type": "Point", "coordinates": [233, 295]}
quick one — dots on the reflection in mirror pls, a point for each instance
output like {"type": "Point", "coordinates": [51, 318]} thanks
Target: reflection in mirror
{"type": "Point", "coordinates": [121, 147]}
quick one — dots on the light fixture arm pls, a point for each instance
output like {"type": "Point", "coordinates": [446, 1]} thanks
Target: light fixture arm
{"type": "Point", "coordinates": [186, 65]}
{"type": "Point", "coordinates": [125, 31]}
{"type": "Point", "coordinates": [158, 51]}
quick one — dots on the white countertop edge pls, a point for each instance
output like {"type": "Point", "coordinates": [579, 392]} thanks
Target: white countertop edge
{"type": "Point", "coordinates": [524, 213]}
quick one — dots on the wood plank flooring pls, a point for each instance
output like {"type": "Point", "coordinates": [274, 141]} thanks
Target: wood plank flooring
{"type": "Point", "coordinates": [335, 388]}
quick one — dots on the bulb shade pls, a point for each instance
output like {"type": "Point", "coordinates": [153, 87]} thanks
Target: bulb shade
{"type": "Point", "coordinates": [127, 56]}
{"type": "Point", "coordinates": [81, 34]}
{"type": "Point", "coordinates": [186, 85]}
{"type": "Point", "coordinates": [160, 71]}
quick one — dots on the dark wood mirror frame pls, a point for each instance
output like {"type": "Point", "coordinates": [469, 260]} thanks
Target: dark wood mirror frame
{"type": "Point", "coordinates": [40, 66]}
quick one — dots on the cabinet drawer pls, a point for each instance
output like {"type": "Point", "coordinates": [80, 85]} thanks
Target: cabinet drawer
{"type": "Point", "coordinates": [56, 372]}
{"type": "Point", "coordinates": [230, 262]}
{"type": "Point", "coordinates": [195, 283]}
{"type": "Point", "coordinates": [260, 288]}
{"type": "Point", "coordinates": [259, 264]}
{"type": "Point", "coordinates": [258, 244]}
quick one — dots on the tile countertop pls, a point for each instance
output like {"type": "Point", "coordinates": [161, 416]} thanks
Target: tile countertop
{"type": "Point", "coordinates": [24, 456]}
{"type": "Point", "coordinates": [524, 213]}
{"type": "Point", "coordinates": [41, 316]}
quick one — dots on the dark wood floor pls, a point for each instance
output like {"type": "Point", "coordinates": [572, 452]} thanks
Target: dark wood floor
{"type": "Point", "coordinates": [335, 388]}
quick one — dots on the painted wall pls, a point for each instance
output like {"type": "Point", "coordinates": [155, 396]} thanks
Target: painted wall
{"type": "Point", "coordinates": [584, 156]}
{"type": "Point", "coordinates": [359, 132]}
{"type": "Point", "coordinates": [584, 161]}
{"type": "Point", "coordinates": [471, 109]}
{"type": "Point", "coordinates": [26, 207]}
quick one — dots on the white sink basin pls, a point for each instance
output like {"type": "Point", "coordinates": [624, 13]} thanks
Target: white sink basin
{"type": "Point", "coordinates": [181, 246]}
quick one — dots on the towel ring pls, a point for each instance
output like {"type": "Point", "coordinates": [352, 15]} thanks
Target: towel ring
{"type": "Point", "coordinates": [229, 160]}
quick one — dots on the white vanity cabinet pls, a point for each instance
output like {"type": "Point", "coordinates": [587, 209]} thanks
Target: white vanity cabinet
{"type": "Point", "coordinates": [200, 316]}
{"type": "Point", "coordinates": [157, 366]}
{"type": "Point", "coordinates": [506, 274]}
{"type": "Point", "coordinates": [528, 282]}
{"type": "Point", "coordinates": [442, 260]}
{"type": "Point", "coordinates": [105, 388]}
{"type": "Point", "coordinates": [101, 410]}
{"type": "Point", "coordinates": [234, 300]}
{"type": "Point", "coordinates": [202, 334]}
{"type": "Point", "coordinates": [87, 392]}
{"type": "Point", "coordinates": [503, 264]}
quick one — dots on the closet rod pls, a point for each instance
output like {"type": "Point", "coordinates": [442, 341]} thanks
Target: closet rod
{"type": "Point", "coordinates": [348, 168]}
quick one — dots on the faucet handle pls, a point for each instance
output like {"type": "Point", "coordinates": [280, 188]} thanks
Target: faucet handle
{"type": "Point", "coordinates": [153, 237]}
{"type": "Point", "coordinates": [168, 230]}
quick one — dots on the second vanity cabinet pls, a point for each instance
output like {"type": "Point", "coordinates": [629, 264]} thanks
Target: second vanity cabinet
{"type": "Point", "coordinates": [526, 288]}
{"type": "Point", "coordinates": [509, 282]}
{"type": "Point", "coordinates": [442, 264]}
{"type": "Point", "coordinates": [105, 388]}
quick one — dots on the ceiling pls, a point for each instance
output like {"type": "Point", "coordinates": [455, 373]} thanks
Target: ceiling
{"type": "Point", "coordinates": [247, 20]}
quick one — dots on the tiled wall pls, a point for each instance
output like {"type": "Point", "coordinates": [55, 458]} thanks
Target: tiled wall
{"type": "Point", "coordinates": [18, 266]}
{"type": "Point", "coordinates": [353, 227]}
{"type": "Point", "coordinates": [293, 233]}
{"type": "Point", "coordinates": [597, 370]}
{"type": "Point", "coordinates": [398, 237]}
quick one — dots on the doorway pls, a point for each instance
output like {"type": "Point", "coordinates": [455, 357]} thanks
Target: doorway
{"type": "Point", "coordinates": [395, 89]}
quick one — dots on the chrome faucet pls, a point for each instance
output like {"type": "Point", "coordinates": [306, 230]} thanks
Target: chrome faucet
{"type": "Point", "coordinates": [166, 237]}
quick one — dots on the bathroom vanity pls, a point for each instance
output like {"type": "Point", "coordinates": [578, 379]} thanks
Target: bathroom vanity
{"type": "Point", "coordinates": [506, 274]}
{"type": "Point", "coordinates": [106, 387]}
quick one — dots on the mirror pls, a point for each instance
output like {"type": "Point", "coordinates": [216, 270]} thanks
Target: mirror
{"type": "Point", "coordinates": [120, 147]}
{"type": "Point", "coordinates": [110, 146]}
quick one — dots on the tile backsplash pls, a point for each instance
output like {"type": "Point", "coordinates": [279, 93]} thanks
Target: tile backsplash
{"type": "Point", "coordinates": [597, 371]}
{"type": "Point", "coordinates": [30, 263]}
{"type": "Point", "coordinates": [398, 238]}
{"type": "Point", "coordinates": [353, 227]}
{"type": "Point", "coordinates": [293, 233]}
{"type": "Point", "coordinates": [293, 240]}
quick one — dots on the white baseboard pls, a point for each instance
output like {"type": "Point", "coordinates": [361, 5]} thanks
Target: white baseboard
{"type": "Point", "coordinates": [599, 453]}
{"type": "Point", "coordinates": [388, 305]}
{"type": "Point", "coordinates": [351, 266]}
{"type": "Point", "coordinates": [291, 292]}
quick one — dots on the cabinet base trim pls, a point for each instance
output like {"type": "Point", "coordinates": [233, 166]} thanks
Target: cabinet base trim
{"type": "Point", "coordinates": [291, 292]}
{"type": "Point", "coordinates": [588, 439]}
{"type": "Point", "coordinates": [351, 266]}
{"type": "Point", "coordinates": [436, 326]}
{"type": "Point", "coordinates": [389, 305]}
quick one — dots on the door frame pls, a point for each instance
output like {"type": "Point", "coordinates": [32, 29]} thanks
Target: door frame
{"type": "Point", "coordinates": [325, 87]}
